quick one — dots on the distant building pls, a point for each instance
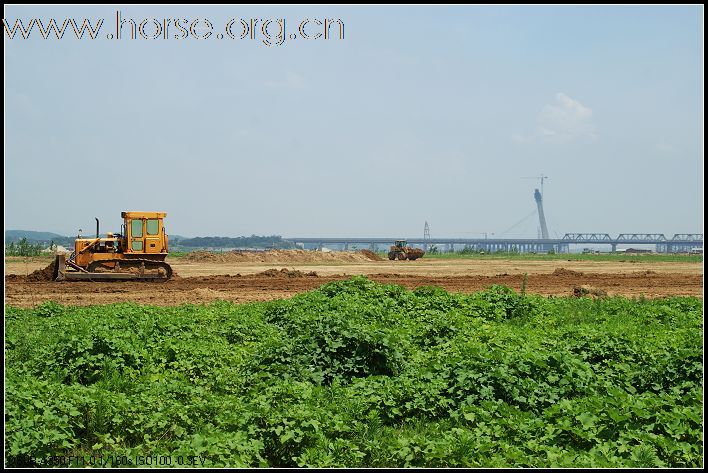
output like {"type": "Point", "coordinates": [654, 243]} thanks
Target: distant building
{"type": "Point", "coordinates": [636, 250]}
{"type": "Point", "coordinates": [57, 250]}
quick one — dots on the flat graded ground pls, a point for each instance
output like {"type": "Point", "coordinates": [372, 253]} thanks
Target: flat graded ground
{"type": "Point", "coordinates": [199, 281]}
{"type": "Point", "coordinates": [439, 267]}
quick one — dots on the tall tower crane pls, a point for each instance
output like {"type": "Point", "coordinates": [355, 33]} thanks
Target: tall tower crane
{"type": "Point", "coordinates": [540, 178]}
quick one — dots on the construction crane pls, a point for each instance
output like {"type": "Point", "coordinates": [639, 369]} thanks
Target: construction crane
{"type": "Point", "coordinates": [540, 178]}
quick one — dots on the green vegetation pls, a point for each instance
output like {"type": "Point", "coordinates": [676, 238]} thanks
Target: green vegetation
{"type": "Point", "coordinates": [361, 374]}
{"type": "Point", "coordinates": [619, 257]}
{"type": "Point", "coordinates": [24, 248]}
{"type": "Point", "coordinates": [37, 237]}
{"type": "Point", "coordinates": [254, 241]}
{"type": "Point", "coordinates": [178, 254]}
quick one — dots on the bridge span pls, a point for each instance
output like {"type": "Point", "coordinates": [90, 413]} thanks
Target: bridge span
{"type": "Point", "coordinates": [678, 243]}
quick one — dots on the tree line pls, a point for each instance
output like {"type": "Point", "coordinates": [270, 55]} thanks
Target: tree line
{"type": "Point", "coordinates": [254, 241]}
{"type": "Point", "coordinates": [24, 247]}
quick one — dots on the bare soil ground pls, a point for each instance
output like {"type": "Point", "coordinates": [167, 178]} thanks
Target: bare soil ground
{"type": "Point", "coordinates": [206, 279]}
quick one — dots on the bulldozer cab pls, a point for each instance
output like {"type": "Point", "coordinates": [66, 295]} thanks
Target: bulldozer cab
{"type": "Point", "coordinates": [400, 243]}
{"type": "Point", "coordinates": [144, 232]}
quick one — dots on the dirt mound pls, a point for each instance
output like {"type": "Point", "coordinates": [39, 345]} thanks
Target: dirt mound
{"type": "Point", "coordinates": [287, 273]}
{"type": "Point", "coordinates": [566, 272]}
{"type": "Point", "coordinates": [204, 256]}
{"type": "Point", "coordinates": [279, 256]}
{"type": "Point", "coordinates": [45, 274]}
{"type": "Point", "coordinates": [371, 255]}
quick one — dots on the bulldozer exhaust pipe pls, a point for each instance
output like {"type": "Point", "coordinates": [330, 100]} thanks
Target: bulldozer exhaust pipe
{"type": "Point", "coordinates": [96, 226]}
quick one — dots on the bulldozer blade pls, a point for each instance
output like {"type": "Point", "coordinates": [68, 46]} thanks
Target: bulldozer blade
{"type": "Point", "coordinates": [59, 268]}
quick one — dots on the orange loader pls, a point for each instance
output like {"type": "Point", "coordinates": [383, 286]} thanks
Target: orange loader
{"type": "Point", "coordinates": [401, 251]}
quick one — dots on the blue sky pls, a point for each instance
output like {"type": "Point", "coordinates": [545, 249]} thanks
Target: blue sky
{"type": "Point", "coordinates": [419, 113]}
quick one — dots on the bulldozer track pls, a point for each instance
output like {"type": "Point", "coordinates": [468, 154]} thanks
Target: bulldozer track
{"type": "Point", "coordinates": [140, 263]}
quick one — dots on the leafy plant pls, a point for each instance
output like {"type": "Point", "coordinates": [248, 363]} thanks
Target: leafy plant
{"type": "Point", "coordinates": [361, 374]}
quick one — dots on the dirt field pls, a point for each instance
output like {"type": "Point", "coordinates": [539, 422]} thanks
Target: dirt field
{"type": "Point", "coordinates": [240, 279]}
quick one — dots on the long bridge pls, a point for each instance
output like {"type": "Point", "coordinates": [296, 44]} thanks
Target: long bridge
{"type": "Point", "coordinates": [678, 243]}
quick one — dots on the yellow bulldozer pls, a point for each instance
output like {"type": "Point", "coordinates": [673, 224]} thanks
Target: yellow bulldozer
{"type": "Point", "coordinates": [401, 251]}
{"type": "Point", "coordinates": [138, 252]}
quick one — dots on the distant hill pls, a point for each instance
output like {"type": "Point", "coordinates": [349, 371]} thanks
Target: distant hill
{"type": "Point", "coordinates": [32, 236]}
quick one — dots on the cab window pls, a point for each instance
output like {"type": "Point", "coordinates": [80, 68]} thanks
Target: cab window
{"type": "Point", "coordinates": [153, 226]}
{"type": "Point", "coordinates": [136, 228]}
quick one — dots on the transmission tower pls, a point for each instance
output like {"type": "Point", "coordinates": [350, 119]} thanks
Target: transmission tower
{"type": "Point", "coordinates": [426, 236]}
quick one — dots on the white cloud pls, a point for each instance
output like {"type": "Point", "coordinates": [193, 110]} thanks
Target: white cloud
{"type": "Point", "coordinates": [563, 121]}
{"type": "Point", "coordinates": [566, 120]}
